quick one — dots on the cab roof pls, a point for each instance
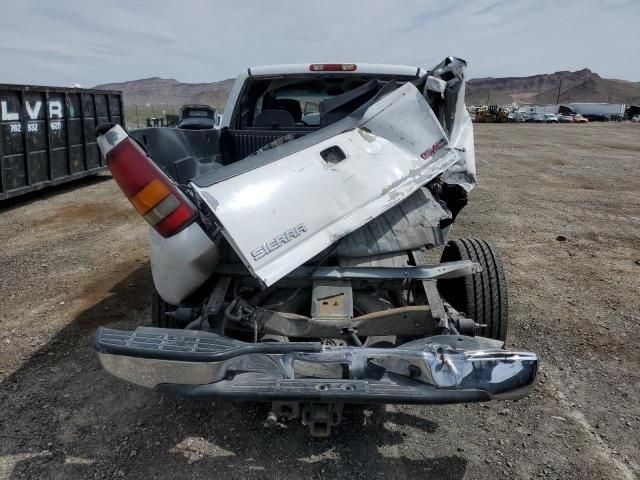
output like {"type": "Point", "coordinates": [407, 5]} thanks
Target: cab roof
{"type": "Point", "coordinates": [360, 68]}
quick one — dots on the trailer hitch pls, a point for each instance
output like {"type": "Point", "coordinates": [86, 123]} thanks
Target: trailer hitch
{"type": "Point", "coordinates": [318, 416]}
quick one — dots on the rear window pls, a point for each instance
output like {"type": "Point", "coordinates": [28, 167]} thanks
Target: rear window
{"type": "Point", "coordinates": [197, 113]}
{"type": "Point", "coordinates": [307, 93]}
{"type": "Point", "coordinates": [299, 96]}
{"type": "Point", "coordinates": [308, 99]}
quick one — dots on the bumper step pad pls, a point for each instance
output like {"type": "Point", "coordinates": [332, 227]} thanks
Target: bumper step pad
{"type": "Point", "coordinates": [186, 345]}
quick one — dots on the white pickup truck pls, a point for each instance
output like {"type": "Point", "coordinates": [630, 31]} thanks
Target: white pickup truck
{"type": "Point", "coordinates": [287, 248]}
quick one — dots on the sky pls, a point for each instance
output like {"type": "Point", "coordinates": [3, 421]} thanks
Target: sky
{"type": "Point", "coordinates": [87, 42]}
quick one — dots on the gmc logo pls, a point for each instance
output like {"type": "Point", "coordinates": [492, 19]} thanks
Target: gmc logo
{"type": "Point", "coordinates": [433, 149]}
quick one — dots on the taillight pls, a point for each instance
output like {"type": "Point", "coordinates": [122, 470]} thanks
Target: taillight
{"type": "Point", "coordinates": [149, 190]}
{"type": "Point", "coordinates": [333, 67]}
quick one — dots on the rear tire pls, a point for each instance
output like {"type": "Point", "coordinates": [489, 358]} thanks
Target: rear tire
{"type": "Point", "coordinates": [482, 296]}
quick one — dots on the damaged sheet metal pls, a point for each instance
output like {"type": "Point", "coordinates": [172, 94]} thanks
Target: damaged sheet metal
{"type": "Point", "coordinates": [457, 123]}
{"type": "Point", "coordinates": [281, 212]}
{"type": "Point", "coordinates": [413, 223]}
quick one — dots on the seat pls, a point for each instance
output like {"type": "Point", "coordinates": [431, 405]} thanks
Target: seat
{"type": "Point", "coordinates": [274, 118]}
{"type": "Point", "coordinates": [288, 105]}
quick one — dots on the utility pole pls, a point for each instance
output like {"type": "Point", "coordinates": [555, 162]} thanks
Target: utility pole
{"type": "Point", "coordinates": [488, 97]}
{"type": "Point", "coordinates": [137, 121]}
{"type": "Point", "coordinates": [539, 90]}
{"type": "Point", "coordinates": [559, 88]}
{"type": "Point", "coordinates": [609, 97]}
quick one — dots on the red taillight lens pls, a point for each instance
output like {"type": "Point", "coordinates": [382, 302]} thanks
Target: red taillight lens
{"type": "Point", "coordinates": [333, 67]}
{"type": "Point", "coordinates": [150, 191]}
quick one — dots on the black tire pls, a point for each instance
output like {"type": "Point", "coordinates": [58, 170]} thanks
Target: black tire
{"type": "Point", "coordinates": [483, 296]}
{"type": "Point", "coordinates": [158, 309]}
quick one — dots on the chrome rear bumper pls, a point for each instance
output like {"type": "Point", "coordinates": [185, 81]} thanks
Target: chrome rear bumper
{"type": "Point", "coordinates": [441, 369]}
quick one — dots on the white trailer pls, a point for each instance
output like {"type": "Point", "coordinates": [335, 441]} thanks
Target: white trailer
{"type": "Point", "coordinates": [535, 109]}
{"type": "Point", "coordinates": [609, 109]}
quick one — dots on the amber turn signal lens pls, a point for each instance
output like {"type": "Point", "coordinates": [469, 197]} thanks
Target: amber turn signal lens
{"type": "Point", "coordinates": [150, 196]}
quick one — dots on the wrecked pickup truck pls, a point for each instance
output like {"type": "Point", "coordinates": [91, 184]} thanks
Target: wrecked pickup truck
{"type": "Point", "coordinates": [288, 248]}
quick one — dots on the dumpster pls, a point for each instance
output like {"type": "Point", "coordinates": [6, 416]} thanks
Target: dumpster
{"type": "Point", "coordinates": [48, 135]}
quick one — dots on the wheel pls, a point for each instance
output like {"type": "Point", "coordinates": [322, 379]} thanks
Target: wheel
{"type": "Point", "coordinates": [483, 296]}
{"type": "Point", "coordinates": [158, 309]}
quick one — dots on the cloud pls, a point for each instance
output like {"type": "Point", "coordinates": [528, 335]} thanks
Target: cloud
{"type": "Point", "coordinates": [94, 25]}
{"type": "Point", "coordinates": [92, 42]}
{"type": "Point", "coordinates": [50, 55]}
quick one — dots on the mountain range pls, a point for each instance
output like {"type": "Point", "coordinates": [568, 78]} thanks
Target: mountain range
{"type": "Point", "coordinates": [559, 87]}
{"type": "Point", "coordinates": [579, 86]}
{"type": "Point", "coordinates": [170, 92]}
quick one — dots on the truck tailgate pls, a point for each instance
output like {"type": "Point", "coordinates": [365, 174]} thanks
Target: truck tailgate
{"type": "Point", "coordinates": [280, 214]}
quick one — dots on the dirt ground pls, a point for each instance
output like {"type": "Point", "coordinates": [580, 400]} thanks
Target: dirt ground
{"type": "Point", "coordinates": [562, 203]}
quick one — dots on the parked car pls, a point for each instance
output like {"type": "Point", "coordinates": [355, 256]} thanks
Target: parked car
{"type": "Point", "coordinates": [597, 117]}
{"type": "Point", "coordinates": [516, 117]}
{"type": "Point", "coordinates": [577, 118]}
{"type": "Point", "coordinates": [565, 118]}
{"type": "Point", "coordinates": [197, 117]}
{"type": "Point", "coordinates": [636, 119]}
{"type": "Point", "coordinates": [542, 117]}
{"type": "Point", "coordinates": [534, 117]}
{"type": "Point", "coordinates": [290, 268]}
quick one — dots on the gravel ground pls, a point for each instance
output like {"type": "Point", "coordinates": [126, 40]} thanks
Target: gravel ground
{"type": "Point", "coordinates": [562, 203]}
